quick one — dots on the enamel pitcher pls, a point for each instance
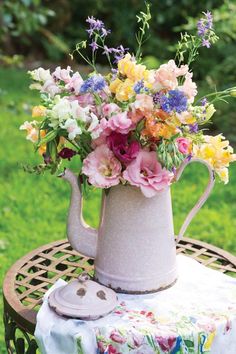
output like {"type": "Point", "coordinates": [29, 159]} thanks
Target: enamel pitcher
{"type": "Point", "coordinates": [134, 247]}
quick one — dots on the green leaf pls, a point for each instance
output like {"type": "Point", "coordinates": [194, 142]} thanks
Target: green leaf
{"type": "Point", "coordinates": [48, 137]}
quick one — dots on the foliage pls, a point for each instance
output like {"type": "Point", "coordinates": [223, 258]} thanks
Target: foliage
{"type": "Point", "coordinates": [33, 209]}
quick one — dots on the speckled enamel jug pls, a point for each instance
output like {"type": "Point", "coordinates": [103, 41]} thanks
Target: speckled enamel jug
{"type": "Point", "coordinates": [134, 248]}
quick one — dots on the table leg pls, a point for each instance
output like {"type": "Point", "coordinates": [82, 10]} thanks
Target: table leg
{"type": "Point", "coordinates": [17, 340]}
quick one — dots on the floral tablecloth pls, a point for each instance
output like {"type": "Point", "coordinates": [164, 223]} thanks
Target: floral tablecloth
{"type": "Point", "coordinates": [196, 315]}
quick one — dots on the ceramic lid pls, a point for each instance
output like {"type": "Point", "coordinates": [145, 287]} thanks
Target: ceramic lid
{"type": "Point", "coordinates": [83, 298]}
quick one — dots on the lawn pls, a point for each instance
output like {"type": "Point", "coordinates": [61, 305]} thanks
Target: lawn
{"type": "Point", "coordinates": [33, 208]}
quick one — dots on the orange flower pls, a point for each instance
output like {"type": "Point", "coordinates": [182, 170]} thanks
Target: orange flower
{"type": "Point", "coordinates": [157, 125]}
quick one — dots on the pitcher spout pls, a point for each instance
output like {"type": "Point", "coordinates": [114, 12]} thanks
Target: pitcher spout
{"type": "Point", "coordinates": [82, 237]}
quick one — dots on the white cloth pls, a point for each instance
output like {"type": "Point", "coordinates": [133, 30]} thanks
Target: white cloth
{"type": "Point", "coordinates": [196, 315]}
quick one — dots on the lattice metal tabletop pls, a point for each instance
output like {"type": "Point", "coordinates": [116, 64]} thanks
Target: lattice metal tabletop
{"type": "Point", "coordinates": [29, 279]}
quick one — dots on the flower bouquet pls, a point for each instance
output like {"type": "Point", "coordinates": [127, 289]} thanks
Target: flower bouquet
{"type": "Point", "coordinates": [133, 125]}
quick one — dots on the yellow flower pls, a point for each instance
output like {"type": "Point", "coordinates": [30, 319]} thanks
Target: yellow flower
{"type": "Point", "coordinates": [218, 153]}
{"type": "Point", "coordinates": [114, 85]}
{"type": "Point", "coordinates": [42, 149]}
{"type": "Point", "coordinates": [210, 110]}
{"type": "Point", "coordinates": [133, 71]}
{"type": "Point", "coordinates": [38, 111]}
{"type": "Point", "coordinates": [124, 90]}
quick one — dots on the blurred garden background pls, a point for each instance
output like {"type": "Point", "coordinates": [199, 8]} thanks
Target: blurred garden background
{"type": "Point", "coordinates": [37, 33]}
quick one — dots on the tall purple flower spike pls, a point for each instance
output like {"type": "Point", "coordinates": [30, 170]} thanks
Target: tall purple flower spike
{"type": "Point", "coordinates": [202, 199]}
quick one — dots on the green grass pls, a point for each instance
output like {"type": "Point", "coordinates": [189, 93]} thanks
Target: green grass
{"type": "Point", "coordinates": [33, 208]}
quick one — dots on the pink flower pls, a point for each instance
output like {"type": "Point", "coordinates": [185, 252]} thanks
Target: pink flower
{"type": "Point", "coordinates": [110, 108]}
{"type": "Point", "coordinates": [103, 131]}
{"type": "Point", "coordinates": [166, 343]}
{"type": "Point", "coordinates": [124, 151]}
{"type": "Point", "coordinates": [166, 75]}
{"type": "Point", "coordinates": [85, 100]}
{"type": "Point", "coordinates": [116, 337]}
{"type": "Point", "coordinates": [135, 115]}
{"type": "Point", "coordinates": [111, 350]}
{"type": "Point", "coordinates": [146, 172]}
{"type": "Point", "coordinates": [120, 123]}
{"type": "Point", "coordinates": [189, 87]}
{"type": "Point", "coordinates": [143, 102]}
{"type": "Point", "coordinates": [62, 74]}
{"type": "Point", "coordinates": [184, 145]}
{"type": "Point", "coordinates": [75, 83]}
{"type": "Point", "coordinates": [102, 168]}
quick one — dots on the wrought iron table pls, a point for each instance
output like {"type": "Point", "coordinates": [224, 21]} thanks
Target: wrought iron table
{"type": "Point", "coordinates": [30, 277]}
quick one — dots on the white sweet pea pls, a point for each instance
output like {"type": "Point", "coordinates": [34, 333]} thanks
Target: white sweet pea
{"type": "Point", "coordinates": [72, 128]}
{"type": "Point", "coordinates": [61, 110]}
{"type": "Point", "coordinates": [40, 74]}
{"type": "Point", "coordinates": [79, 112]}
{"type": "Point", "coordinates": [51, 87]}
{"type": "Point", "coordinates": [94, 127]}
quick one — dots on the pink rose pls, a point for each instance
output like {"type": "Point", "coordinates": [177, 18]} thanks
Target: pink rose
{"type": "Point", "coordinates": [124, 151]}
{"type": "Point", "coordinates": [120, 123]}
{"type": "Point", "coordinates": [143, 102]}
{"type": "Point", "coordinates": [62, 74]}
{"type": "Point", "coordinates": [166, 75]}
{"type": "Point", "coordinates": [147, 173]}
{"type": "Point", "coordinates": [110, 108]}
{"type": "Point", "coordinates": [102, 168]}
{"type": "Point", "coordinates": [189, 87]}
{"type": "Point", "coordinates": [183, 145]}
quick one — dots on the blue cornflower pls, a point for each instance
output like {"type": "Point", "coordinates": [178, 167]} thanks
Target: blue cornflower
{"type": "Point", "coordinates": [138, 86]}
{"type": "Point", "coordinates": [93, 84]}
{"type": "Point", "coordinates": [175, 100]}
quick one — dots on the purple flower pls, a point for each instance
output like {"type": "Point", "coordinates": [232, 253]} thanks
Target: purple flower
{"type": "Point", "coordinates": [204, 101]}
{"type": "Point", "coordinates": [124, 151]}
{"type": "Point", "coordinates": [204, 27]}
{"type": "Point", "coordinates": [95, 24]}
{"type": "Point", "coordinates": [157, 97]}
{"type": "Point", "coordinates": [93, 84]}
{"type": "Point", "coordinates": [107, 50]}
{"type": "Point", "coordinates": [94, 46]}
{"type": "Point", "coordinates": [174, 100]}
{"type": "Point", "coordinates": [105, 32]}
{"type": "Point", "coordinates": [206, 43]}
{"type": "Point", "coordinates": [201, 29]}
{"type": "Point", "coordinates": [119, 52]}
{"type": "Point", "coordinates": [193, 128]}
{"type": "Point", "coordinates": [67, 153]}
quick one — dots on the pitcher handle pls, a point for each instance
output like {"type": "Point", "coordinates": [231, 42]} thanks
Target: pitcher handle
{"type": "Point", "coordinates": [202, 199]}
